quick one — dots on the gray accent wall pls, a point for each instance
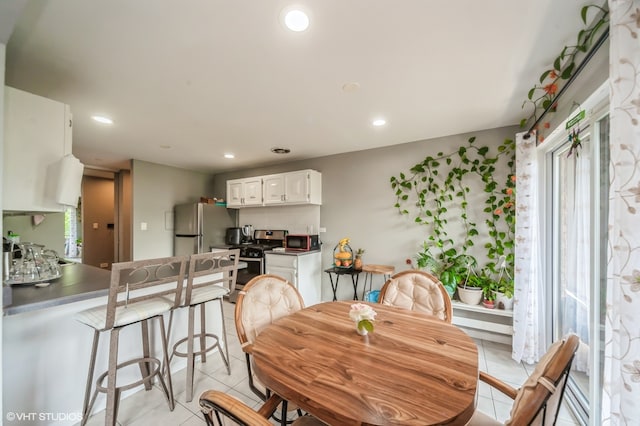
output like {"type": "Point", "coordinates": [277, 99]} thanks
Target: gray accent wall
{"type": "Point", "coordinates": [357, 200]}
{"type": "Point", "coordinates": [156, 189]}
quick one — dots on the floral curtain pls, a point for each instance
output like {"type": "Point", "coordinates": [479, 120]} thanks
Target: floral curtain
{"type": "Point", "coordinates": [622, 330]}
{"type": "Point", "coordinates": [529, 337]}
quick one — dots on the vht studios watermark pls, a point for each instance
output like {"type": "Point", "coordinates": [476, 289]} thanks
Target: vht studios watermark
{"type": "Point", "coordinates": [42, 416]}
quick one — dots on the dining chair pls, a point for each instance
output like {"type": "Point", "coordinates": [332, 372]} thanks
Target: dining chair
{"type": "Point", "coordinates": [221, 406]}
{"type": "Point", "coordinates": [418, 291]}
{"type": "Point", "coordinates": [539, 399]}
{"type": "Point", "coordinates": [139, 291]}
{"type": "Point", "coordinates": [211, 276]}
{"type": "Point", "coordinates": [263, 300]}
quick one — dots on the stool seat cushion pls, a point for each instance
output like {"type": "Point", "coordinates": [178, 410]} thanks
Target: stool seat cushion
{"type": "Point", "coordinates": [132, 313]}
{"type": "Point", "coordinates": [207, 293]}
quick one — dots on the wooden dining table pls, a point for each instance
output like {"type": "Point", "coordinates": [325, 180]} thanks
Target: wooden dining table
{"type": "Point", "coordinates": [413, 369]}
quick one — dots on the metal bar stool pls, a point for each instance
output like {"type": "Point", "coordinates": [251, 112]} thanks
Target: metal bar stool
{"type": "Point", "coordinates": [369, 270]}
{"type": "Point", "coordinates": [139, 291]}
{"type": "Point", "coordinates": [211, 277]}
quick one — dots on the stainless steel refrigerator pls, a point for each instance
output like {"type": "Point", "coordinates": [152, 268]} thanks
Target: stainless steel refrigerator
{"type": "Point", "coordinates": [198, 226]}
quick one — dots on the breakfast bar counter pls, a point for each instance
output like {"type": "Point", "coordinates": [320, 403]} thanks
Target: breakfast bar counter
{"type": "Point", "coordinates": [78, 282]}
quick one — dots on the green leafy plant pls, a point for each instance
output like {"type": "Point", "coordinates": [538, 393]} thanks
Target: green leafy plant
{"type": "Point", "coordinates": [438, 183]}
{"type": "Point", "coordinates": [542, 96]}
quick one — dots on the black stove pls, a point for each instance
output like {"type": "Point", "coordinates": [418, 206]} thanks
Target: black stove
{"type": "Point", "coordinates": [252, 253]}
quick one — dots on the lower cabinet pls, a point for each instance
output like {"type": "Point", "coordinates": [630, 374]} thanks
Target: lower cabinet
{"type": "Point", "coordinates": [303, 270]}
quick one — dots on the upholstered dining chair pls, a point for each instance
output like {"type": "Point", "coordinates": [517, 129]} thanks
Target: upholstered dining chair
{"type": "Point", "coordinates": [538, 401]}
{"type": "Point", "coordinates": [222, 407]}
{"type": "Point", "coordinates": [263, 300]}
{"type": "Point", "coordinates": [418, 291]}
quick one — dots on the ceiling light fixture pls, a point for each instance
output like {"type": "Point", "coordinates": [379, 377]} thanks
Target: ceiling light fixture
{"type": "Point", "coordinates": [296, 20]}
{"type": "Point", "coordinates": [280, 150]}
{"type": "Point", "coordinates": [102, 119]}
{"type": "Point", "coordinates": [379, 122]}
{"type": "Point", "coordinates": [229, 156]}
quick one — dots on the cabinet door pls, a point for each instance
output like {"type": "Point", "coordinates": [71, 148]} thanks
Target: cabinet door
{"type": "Point", "coordinates": [274, 189]}
{"type": "Point", "coordinates": [253, 192]}
{"type": "Point", "coordinates": [36, 136]}
{"type": "Point", "coordinates": [296, 187]}
{"type": "Point", "coordinates": [286, 273]}
{"type": "Point", "coordinates": [234, 193]}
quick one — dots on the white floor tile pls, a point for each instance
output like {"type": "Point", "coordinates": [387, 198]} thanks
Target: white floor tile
{"type": "Point", "coordinates": [195, 420]}
{"type": "Point", "coordinates": [486, 406]}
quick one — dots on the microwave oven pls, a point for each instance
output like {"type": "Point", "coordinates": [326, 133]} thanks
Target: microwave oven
{"type": "Point", "coordinates": [302, 242]}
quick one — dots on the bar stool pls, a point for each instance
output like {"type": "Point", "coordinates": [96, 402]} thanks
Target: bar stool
{"type": "Point", "coordinates": [211, 277]}
{"type": "Point", "coordinates": [139, 291]}
{"type": "Point", "coordinates": [385, 270]}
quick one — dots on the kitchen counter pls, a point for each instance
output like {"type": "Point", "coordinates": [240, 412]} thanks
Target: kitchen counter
{"type": "Point", "coordinates": [78, 282]}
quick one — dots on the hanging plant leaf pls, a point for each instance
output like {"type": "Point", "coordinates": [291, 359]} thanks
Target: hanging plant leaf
{"type": "Point", "coordinates": [544, 75]}
{"type": "Point", "coordinates": [583, 13]}
{"type": "Point", "coordinates": [531, 92]}
{"type": "Point", "coordinates": [568, 71]}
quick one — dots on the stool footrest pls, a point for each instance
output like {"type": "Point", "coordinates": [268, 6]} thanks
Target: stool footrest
{"type": "Point", "coordinates": [196, 337]}
{"type": "Point", "coordinates": [155, 362]}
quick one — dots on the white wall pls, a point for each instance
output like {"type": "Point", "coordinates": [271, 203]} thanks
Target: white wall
{"type": "Point", "coordinates": [156, 189]}
{"type": "Point", "coordinates": [357, 200]}
{"type": "Point", "coordinates": [50, 232]}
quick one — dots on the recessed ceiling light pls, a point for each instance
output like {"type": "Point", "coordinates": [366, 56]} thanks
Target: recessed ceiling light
{"type": "Point", "coordinates": [379, 122]}
{"type": "Point", "coordinates": [350, 87]}
{"type": "Point", "coordinates": [229, 156]}
{"type": "Point", "coordinates": [296, 20]}
{"type": "Point", "coordinates": [280, 150]}
{"type": "Point", "coordinates": [165, 146]}
{"type": "Point", "coordinates": [102, 119]}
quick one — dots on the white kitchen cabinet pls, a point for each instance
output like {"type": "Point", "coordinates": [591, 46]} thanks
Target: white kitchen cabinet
{"type": "Point", "coordinates": [37, 135]}
{"type": "Point", "coordinates": [303, 270]}
{"type": "Point", "coordinates": [300, 187]}
{"type": "Point", "coordinates": [244, 192]}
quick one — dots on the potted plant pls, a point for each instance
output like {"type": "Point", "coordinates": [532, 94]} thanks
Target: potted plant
{"type": "Point", "coordinates": [450, 267]}
{"type": "Point", "coordinates": [504, 293]}
{"type": "Point", "coordinates": [471, 291]}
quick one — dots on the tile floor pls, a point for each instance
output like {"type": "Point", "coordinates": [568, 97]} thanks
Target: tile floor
{"type": "Point", "coordinates": [145, 408]}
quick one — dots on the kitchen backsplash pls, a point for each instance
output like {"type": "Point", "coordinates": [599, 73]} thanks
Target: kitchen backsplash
{"type": "Point", "coordinates": [295, 219]}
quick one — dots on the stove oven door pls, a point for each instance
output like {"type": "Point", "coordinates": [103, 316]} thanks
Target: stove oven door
{"type": "Point", "coordinates": [255, 267]}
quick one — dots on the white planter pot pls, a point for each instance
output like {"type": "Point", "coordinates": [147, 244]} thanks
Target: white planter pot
{"type": "Point", "coordinates": [503, 302]}
{"type": "Point", "coordinates": [470, 295]}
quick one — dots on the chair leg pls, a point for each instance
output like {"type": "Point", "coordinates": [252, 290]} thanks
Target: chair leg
{"type": "Point", "coordinates": [165, 348]}
{"type": "Point", "coordinates": [86, 407]}
{"type": "Point", "coordinates": [225, 356]}
{"type": "Point", "coordinates": [283, 418]}
{"type": "Point", "coordinates": [252, 386]}
{"type": "Point", "coordinates": [203, 330]}
{"type": "Point", "coordinates": [112, 392]}
{"type": "Point", "coordinates": [145, 367]}
{"type": "Point", "coordinates": [190, 356]}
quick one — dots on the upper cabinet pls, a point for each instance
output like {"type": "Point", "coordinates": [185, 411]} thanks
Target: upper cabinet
{"type": "Point", "coordinates": [244, 192]}
{"type": "Point", "coordinates": [37, 137]}
{"type": "Point", "coordinates": [300, 187]}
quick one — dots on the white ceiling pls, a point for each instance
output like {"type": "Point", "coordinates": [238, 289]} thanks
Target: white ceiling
{"type": "Point", "coordinates": [207, 77]}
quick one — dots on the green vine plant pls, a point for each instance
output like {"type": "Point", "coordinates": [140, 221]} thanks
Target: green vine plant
{"type": "Point", "coordinates": [542, 96]}
{"type": "Point", "coordinates": [436, 184]}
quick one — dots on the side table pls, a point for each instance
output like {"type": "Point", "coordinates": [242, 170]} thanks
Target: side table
{"type": "Point", "coordinates": [385, 270]}
{"type": "Point", "coordinates": [337, 272]}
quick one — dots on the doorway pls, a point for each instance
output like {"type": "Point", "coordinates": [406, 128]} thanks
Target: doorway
{"type": "Point", "coordinates": [575, 189]}
{"type": "Point", "coordinates": [98, 221]}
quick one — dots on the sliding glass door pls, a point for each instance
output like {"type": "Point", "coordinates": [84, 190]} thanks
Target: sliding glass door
{"type": "Point", "coordinates": [576, 190]}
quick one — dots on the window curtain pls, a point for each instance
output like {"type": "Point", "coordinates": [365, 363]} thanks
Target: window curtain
{"type": "Point", "coordinates": [622, 327]}
{"type": "Point", "coordinates": [576, 279]}
{"type": "Point", "coordinates": [529, 326]}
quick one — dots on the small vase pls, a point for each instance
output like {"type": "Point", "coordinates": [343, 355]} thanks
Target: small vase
{"type": "Point", "coordinates": [362, 331]}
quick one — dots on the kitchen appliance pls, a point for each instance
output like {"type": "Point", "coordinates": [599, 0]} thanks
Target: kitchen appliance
{"type": "Point", "coordinates": [247, 233]}
{"type": "Point", "coordinates": [233, 236]}
{"type": "Point", "coordinates": [253, 255]}
{"type": "Point", "coordinates": [302, 242]}
{"type": "Point", "coordinates": [197, 226]}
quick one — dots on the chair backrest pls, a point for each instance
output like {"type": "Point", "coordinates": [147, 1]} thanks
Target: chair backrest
{"type": "Point", "coordinates": [222, 407]}
{"type": "Point", "coordinates": [212, 268]}
{"type": "Point", "coordinates": [263, 300]}
{"type": "Point", "coordinates": [538, 400]}
{"type": "Point", "coordinates": [141, 280]}
{"type": "Point", "coordinates": [418, 291]}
